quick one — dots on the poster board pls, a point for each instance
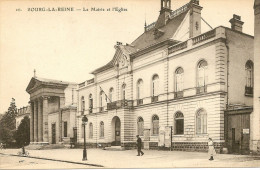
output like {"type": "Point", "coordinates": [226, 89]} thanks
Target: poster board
{"type": "Point", "coordinates": [161, 136]}
{"type": "Point", "coordinates": [167, 136]}
{"type": "Point", "coordinates": [146, 134]}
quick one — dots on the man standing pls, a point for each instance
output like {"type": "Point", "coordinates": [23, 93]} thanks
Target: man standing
{"type": "Point", "coordinates": [139, 146]}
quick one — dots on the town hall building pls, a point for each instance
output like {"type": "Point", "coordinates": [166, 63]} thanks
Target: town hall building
{"type": "Point", "coordinates": [173, 76]}
{"type": "Point", "coordinates": [174, 86]}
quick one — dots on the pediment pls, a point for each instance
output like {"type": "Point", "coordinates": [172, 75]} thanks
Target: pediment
{"type": "Point", "coordinates": [34, 83]}
{"type": "Point", "coordinates": [121, 58]}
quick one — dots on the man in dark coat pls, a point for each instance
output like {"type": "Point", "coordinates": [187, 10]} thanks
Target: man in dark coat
{"type": "Point", "coordinates": [139, 146]}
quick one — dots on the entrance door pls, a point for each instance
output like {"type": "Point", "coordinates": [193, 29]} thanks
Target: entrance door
{"type": "Point", "coordinates": [53, 133]}
{"type": "Point", "coordinates": [235, 143]}
{"type": "Point", "coordinates": [117, 132]}
{"type": "Point", "coordinates": [238, 127]}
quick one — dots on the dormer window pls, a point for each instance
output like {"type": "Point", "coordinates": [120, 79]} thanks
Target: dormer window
{"type": "Point", "coordinates": [157, 33]}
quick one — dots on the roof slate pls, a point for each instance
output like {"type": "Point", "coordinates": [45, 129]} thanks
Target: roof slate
{"type": "Point", "coordinates": [147, 38]}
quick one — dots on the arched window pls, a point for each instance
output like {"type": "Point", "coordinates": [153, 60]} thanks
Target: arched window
{"type": "Point", "coordinates": [202, 78]}
{"type": "Point", "coordinates": [179, 79]}
{"type": "Point", "coordinates": [155, 124]}
{"type": "Point", "coordinates": [249, 77]}
{"type": "Point", "coordinates": [101, 129]}
{"type": "Point", "coordinates": [155, 85]}
{"type": "Point", "coordinates": [90, 131]}
{"type": "Point", "coordinates": [201, 122]}
{"type": "Point", "coordinates": [82, 104]}
{"type": "Point", "coordinates": [90, 103]}
{"type": "Point", "coordinates": [111, 93]}
{"type": "Point", "coordinates": [123, 92]}
{"type": "Point", "coordinates": [140, 126]}
{"type": "Point", "coordinates": [179, 124]}
{"type": "Point", "coordinates": [139, 89]}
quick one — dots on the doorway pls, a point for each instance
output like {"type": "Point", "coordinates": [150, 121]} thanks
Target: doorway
{"type": "Point", "coordinates": [238, 136]}
{"type": "Point", "coordinates": [116, 131]}
{"type": "Point", "coordinates": [53, 133]}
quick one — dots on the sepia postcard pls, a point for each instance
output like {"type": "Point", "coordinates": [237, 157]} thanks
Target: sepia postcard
{"type": "Point", "coordinates": [129, 84]}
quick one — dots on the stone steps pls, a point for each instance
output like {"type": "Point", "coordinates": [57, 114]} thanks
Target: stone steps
{"type": "Point", "coordinates": [114, 148]}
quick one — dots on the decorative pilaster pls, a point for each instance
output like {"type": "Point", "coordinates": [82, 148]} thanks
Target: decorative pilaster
{"type": "Point", "coordinates": [35, 124]}
{"type": "Point", "coordinates": [40, 123]}
{"type": "Point", "coordinates": [45, 118]}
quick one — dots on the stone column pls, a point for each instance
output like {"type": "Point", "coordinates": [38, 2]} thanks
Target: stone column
{"type": "Point", "coordinates": [35, 118]}
{"type": "Point", "coordinates": [62, 104]}
{"type": "Point", "coordinates": [255, 115]}
{"type": "Point", "coordinates": [45, 119]}
{"type": "Point", "coordinates": [40, 124]}
{"type": "Point", "coordinates": [31, 121]}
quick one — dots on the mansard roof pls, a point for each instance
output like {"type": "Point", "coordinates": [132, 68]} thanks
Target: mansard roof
{"type": "Point", "coordinates": [36, 82]}
{"type": "Point", "coordinates": [153, 36]}
{"type": "Point", "coordinates": [147, 38]}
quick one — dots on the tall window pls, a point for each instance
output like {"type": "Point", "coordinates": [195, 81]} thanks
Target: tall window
{"type": "Point", "coordinates": [101, 129]}
{"type": "Point", "coordinates": [179, 79]}
{"type": "Point", "coordinates": [179, 123]}
{"type": "Point", "coordinates": [155, 85]}
{"type": "Point", "coordinates": [90, 103]}
{"type": "Point", "coordinates": [65, 129]}
{"type": "Point", "coordinates": [155, 124]}
{"type": "Point", "coordinates": [82, 104]}
{"type": "Point", "coordinates": [249, 74]}
{"type": "Point", "coordinates": [123, 92]}
{"type": "Point", "coordinates": [111, 93]}
{"type": "Point", "coordinates": [201, 122]}
{"type": "Point", "coordinates": [90, 131]}
{"type": "Point", "coordinates": [202, 73]}
{"type": "Point", "coordinates": [140, 126]}
{"type": "Point", "coordinates": [139, 89]}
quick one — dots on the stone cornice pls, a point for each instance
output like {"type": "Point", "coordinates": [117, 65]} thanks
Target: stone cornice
{"type": "Point", "coordinates": [153, 47]}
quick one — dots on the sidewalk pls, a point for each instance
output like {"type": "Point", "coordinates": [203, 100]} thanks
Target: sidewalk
{"type": "Point", "coordinates": [151, 158]}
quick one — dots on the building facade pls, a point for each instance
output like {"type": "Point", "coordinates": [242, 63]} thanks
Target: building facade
{"type": "Point", "coordinates": [21, 113]}
{"type": "Point", "coordinates": [173, 75]}
{"type": "Point", "coordinates": [53, 111]}
{"type": "Point", "coordinates": [255, 116]}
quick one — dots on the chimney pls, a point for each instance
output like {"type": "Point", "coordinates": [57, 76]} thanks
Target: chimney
{"type": "Point", "coordinates": [236, 23]}
{"type": "Point", "coordinates": [195, 18]}
{"type": "Point", "coordinates": [164, 13]}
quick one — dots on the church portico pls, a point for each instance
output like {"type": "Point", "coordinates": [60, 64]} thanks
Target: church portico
{"type": "Point", "coordinates": [47, 98]}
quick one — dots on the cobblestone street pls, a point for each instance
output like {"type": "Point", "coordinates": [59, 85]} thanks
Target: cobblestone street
{"type": "Point", "coordinates": [151, 158]}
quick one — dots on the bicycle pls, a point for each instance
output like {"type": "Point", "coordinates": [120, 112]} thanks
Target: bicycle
{"type": "Point", "coordinates": [26, 153]}
{"type": "Point", "coordinates": [23, 152]}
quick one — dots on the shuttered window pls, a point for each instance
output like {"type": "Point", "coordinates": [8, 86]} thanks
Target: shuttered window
{"type": "Point", "coordinates": [140, 126]}
{"type": "Point", "coordinates": [201, 122]}
{"type": "Point", "coordinates": [155, 124]}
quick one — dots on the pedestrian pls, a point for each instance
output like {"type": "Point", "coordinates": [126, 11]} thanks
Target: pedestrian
{"type": "Point", "coordinates": [211, 151]}
{"type": "Point", "coordinates": [139, 146]}
{"type": "Point", "coordinates": [1, 146]}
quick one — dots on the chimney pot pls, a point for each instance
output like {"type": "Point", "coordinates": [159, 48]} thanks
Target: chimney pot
{"type": "Point", "coordinates": [236, 23]}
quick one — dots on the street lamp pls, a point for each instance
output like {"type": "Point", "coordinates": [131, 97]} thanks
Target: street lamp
{"type": "Point", "coordinates": [84, 122]}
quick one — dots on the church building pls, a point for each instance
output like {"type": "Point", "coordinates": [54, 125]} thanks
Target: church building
{"type": "Point", "coordinates": [173, 76]}
{"type": "Point", "coordinates": [53, 111]}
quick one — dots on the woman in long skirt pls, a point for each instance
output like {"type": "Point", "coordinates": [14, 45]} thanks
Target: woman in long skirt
{"type": "Point", "coordinates": [211, 151]}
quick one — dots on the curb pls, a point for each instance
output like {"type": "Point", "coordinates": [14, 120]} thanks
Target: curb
{"type": "Point", "coordinates": [58, 160]}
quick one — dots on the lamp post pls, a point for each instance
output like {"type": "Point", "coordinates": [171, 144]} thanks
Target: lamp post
{"type": "Point", "coordinates": [84, 122]}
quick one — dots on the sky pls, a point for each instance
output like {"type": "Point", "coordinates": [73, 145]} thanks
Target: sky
{"type": "Point", "coordinates": [68, 45]}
